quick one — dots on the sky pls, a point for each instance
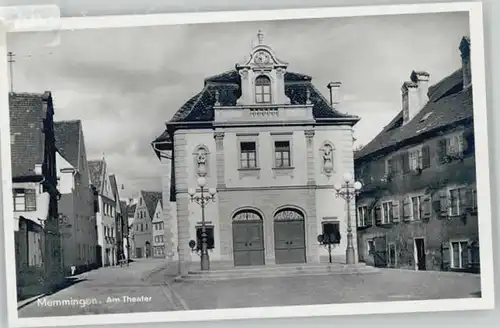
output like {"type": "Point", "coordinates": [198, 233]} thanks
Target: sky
{"type": "Point", "coordinates": [125, 83]}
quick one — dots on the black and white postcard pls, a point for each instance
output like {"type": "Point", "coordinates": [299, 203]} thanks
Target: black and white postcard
{"type": "Point", "coordinates": [259, 164]}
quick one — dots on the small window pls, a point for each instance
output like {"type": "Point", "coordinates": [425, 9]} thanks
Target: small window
{"type": "Point", "coordinates": [282, 154]}
{"type": "Point", "coordinates": [460, 255]}
{"type": "Point", "coordinates": [262, 90]}
{"type": "Point", "coordinates": [417, 203]}
{"type": "Point", "coordinates": [363, 217]}
{"type": "Point", "coordinates": [415, 159]}
{"type": "Point", "coordinates": [387, 212]}
{"type": "Point", "coordinates": [24, 200]}
{"type": "Point", "coordinates": [370, 247]}
{"type": "Point", "coordinates": [457, 201]}
{"type": "Point", "coordinates": [248, 156]}
{"type": "Point", "coordinates": [210, 237]}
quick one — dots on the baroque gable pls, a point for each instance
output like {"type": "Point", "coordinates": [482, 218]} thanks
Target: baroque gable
{"type": "Point", "coordinates": [262, 77]}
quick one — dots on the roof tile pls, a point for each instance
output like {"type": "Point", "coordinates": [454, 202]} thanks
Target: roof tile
{"type": "Point", "coordinates": [449, 103]}
{"type": "Point", "coordinates": [26, 124]}
{"type": "Point", "coordinates": [67, 134]}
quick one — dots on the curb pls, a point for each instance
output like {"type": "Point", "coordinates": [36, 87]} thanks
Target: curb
{"type": "Point", "coordinates": [28, 301]}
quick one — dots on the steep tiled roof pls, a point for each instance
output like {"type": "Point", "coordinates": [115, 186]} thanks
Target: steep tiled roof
{"type": "Point", "coordinates": [96, 169]}
{"type": "Point", "coordinates": [200, 107]}
{"type": "Point", "coordinates": [151, 199]}
{"type": "Point", "coordinates": [67, 134]}
{"type": "Point", "coordinates": [27, 144]}
{"type": "Point", "coordinates": [114, 187]}
{"type": "Point", "coordinates": [448, 103]}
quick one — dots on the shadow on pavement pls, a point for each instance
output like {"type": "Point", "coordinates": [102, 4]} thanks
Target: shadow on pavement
{"type": "Point", "coordinates": [68, 282]}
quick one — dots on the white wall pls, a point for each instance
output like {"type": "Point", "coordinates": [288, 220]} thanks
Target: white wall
{"type": "Point", "coordinates": [42, 205]}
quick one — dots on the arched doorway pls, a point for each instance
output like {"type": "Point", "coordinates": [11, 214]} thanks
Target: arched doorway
{"type": "Point", "coordinates": [289, 236]}
{"type": "Point", "coordinates": [248, 238]}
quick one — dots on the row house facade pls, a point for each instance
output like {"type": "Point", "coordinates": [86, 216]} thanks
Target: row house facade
{"type": "Point", "coordinates": [35, 196]}
{"type": "Point", "coordinates": [125, 230]}
{"type": "Point", "coordinates": [142, 229]}
{"type": "Point", "coordinates": [77, 210]}
{"type": "Point", "coordinates": [107, 251]}
{"type": "Point", "coordinates": [131, 206]}
{"type": "Point", "coordinates": [271, 146]}
{"type": "Point", "coordinates": [418, 207]}
{"type": "Point", "coordinates": [119, 220]}
{"type": "Point", "coordinates": [159, 231]}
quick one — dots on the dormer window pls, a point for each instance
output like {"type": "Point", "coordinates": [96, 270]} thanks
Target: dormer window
{"type": "Point", "coordinates": [262, 90]}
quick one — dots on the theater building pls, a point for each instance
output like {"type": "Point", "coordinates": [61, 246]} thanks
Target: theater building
{"type": "Point", "coordinates": [272, 147]}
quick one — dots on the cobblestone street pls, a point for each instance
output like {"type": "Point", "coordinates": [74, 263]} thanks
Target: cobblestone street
{"type": "Point", "coordinates": [113, 289]}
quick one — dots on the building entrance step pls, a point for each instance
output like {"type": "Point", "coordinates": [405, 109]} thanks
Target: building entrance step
{"type": "Point", "coordinates": [272, 271]}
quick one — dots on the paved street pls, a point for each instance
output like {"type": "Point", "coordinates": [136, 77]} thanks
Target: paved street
{"type": "Point", "coordinates": [389, 285]}
{"type": "Point", "coordinates": [108, 290]}
{"type": "Point", "coordinates": [111, 290]}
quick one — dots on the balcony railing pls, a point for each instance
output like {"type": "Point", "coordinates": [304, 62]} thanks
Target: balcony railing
{"type": "Point", "coordinates": [263, 113]}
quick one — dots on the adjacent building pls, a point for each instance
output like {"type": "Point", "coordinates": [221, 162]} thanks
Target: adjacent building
{"type": "Point", "coordinates": [131, 206]}
{"type": "Point", "coordinates": [106, 215]}
{"type": "Point", "coordinates": [142, 233]}
{"type": "Point", "coordinates": [125, 233]}
{"type": "Point", "coordinates": [418, 207]}
{"type": "Point", "coordinates": [271, 146]}
{"type": "Point", "coordinates": [119, 219]}
{"type": "Point", "coordinates": [158, 231]}
{"type": "Point", "coordinates": [34, 188]}
{"type": "Point", "coordinates": [76, 204]}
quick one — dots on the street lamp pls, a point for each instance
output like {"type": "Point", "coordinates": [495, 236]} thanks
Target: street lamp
{"type": "Point", "coordinates": [203, 200]}
{"type": "Point", "coordinates": [348, 190]}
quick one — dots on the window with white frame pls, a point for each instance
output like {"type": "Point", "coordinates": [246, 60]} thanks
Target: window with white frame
{"type": "Point", "coordinates": [387, 213]}
{"type": "Point", "coordinates": [262, 90]}
{"type": "Point", "coordinates": [415, 158]}
{"type": "Point", "coordinates": [459, 254]}
{"type": "Point", "coordinates": [248, 155]}
{"type": "Point", "coordinates": [455, 145]}
{"type": "Point", "coordinates": [363, 216]}
{"type": "Point", "coordinates": [457, 200]}
{"type": "Point", "coordinates": [417, 207]}
{"type": "Point", "coordinates": [282, 154]}
{"type": "Point", "coordinates": [24, 200]}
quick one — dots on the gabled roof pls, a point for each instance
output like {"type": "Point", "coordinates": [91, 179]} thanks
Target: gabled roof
{"type": "Point", "coordinates": [199, 108]}
{"type": "Point", "coordinates": [151, 199]}
{"type": "Point", "coordinates": [26, 125]}
{"type": "Point", "coordinates": [114, 187]}
{"type": "Point", "coordinates": [131, 210]}
{"type": "Point", "coordinates": [448, 103]}
{"type": "Point", "coordinates": [96, 172]}
{"type": "Point", "coordinates": [67, 134]}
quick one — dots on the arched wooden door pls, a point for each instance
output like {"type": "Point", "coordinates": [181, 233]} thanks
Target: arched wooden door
{"type": "Point", "coordinates": [248, 238]}
{"type": "Point", "coordinates": [289, 236]}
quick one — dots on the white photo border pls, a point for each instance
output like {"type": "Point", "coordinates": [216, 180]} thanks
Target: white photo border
{"type": "Point", "coordinates": [482, 170]}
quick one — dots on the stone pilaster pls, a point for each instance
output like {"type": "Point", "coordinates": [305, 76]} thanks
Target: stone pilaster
{"type": "Point", "coordinates": [181, 186]}
{"type": "Point", "coordinates": [311, 174]}
{"type": "Point", "coordinates": [312, 219]}
{"type": "Point", "coordinates": [219, 159]}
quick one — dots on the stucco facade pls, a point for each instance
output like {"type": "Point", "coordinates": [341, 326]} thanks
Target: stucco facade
{"type": "Point", "coordinates": [272, 147]}
{"type": "Point", "coordinates": [158, 232]}
{"type": "Point", "coordinates": [418, 208]}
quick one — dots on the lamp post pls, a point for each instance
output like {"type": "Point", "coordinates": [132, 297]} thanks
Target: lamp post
{"type": "Point", "coordinates": [202, 199]}
{"type": "Point", "coordinates": [348, 190]}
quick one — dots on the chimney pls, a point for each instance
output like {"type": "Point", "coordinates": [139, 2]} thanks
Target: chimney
{"type": "Point", "coordinates": [414, 93]}
{"type": "Point", "coordinates": [334, 88]}
{"type": "Point", "coordinates": [465, 54]}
